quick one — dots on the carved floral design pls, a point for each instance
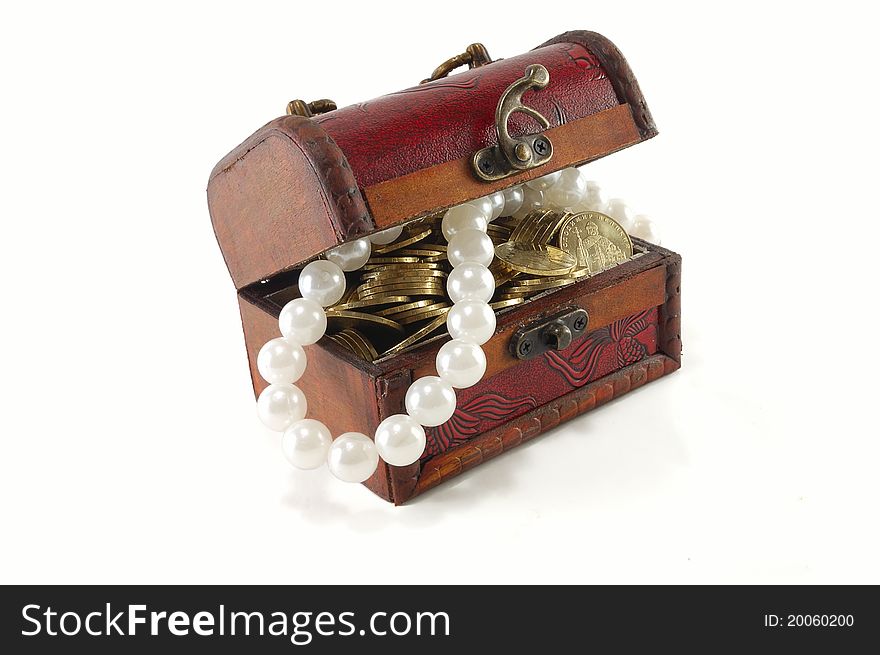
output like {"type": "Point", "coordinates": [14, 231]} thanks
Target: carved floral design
{"type": "Point", "coordinates": [580, 366]}
{"type": "Point", "coordinates": [467, 420]}
{"type": "Point", "coordinates": [538, 381]}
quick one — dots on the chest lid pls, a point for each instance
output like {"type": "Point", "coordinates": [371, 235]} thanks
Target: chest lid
{"type": "Point", "coordinates": [303, 184]}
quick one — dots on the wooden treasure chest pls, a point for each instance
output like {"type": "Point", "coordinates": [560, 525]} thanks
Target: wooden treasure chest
{"type": "Point", "coordinates": [580, 316]}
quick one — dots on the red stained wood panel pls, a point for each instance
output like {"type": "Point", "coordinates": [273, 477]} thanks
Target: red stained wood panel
{"type": "Point", "coordinates": [453, 182]}
{"type": "Point", "coordinates": [451, 118]}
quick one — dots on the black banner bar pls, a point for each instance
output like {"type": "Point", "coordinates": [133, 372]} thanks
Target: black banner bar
{"type": "Point", "coordinates": [432, 619]}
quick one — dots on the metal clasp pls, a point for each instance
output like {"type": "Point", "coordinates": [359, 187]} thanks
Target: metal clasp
{"type": "Point", "coordinates": [554, 332]}
{"type": "Point", "coordinates": [514, 155]}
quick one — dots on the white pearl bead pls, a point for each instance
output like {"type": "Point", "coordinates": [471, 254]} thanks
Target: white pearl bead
{"type": "Point", "coordinates": [513, 199]}
{"type": "Point", "coordinates": [569, 190]}
{"type": "Point", "coordinates": [533, 199]}
{"type": "Point", "coordinates": [644, 228]}
{"type": "Point", "coordinates": [385, 237]}
{"type": "Point", "coordinates": [430, 401]}
{"type": "Point", "coordinates": [471, 321]}
{"type": "Point", "coordinates": [322, 281]}
{"type": "Point", "coordinates": [594, 199]}
{"type": "Point", "coordinates": [461, 364]}
{"type": "Point", "coordinates": [400, 440]}
{"type": "Point", "coordinates": [485, 205]}
{"type": "Point", "coordinates": [545, 182]}
{"type": "Point", "coordinates": [281, 362]}
{"type": "Point", "coordinates": [305, 443]}
{"type": "Point", "coordinates": [471, 246]}
{"type": "Point", "coordinates": [280, 405]}
{"type": "Point", "coordinates": [350, 256]}
{"type": "Point", "coordinates": [463, 217]}
{"type": "Point", "coordinates": [352, 457]}
{"type": "Point", "coordinates": [617, 209]}
{"type": "Point", "coordinates": [497, 201]}
{"type": "Point", "coordinates": [470, 282]}
{"type": "Point", "coordinates": [302, 321]}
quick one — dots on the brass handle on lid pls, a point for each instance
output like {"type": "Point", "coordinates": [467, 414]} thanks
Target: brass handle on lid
{"type": "Point", "coordinates": [475, 55]}
{"type": "Point", "coordinates": [309, 109]}
{"type": "Point", "coordinates": [514, 155]}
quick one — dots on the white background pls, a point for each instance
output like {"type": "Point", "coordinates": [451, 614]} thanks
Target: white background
{"type": "Point", "coordinates": [132, 452]}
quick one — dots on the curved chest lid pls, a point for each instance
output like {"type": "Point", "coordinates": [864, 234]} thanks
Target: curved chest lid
{"type": "Point", "coordinates": [299, 186]}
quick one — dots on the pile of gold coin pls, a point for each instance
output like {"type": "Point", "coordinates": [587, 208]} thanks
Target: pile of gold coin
{"type": "Point", "coordinates": [398, 299]}
{"type": "Point", "coordinates": [552, 249]}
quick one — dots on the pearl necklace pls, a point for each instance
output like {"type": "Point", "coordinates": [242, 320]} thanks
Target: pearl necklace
{"type": "Point", "coordinates": [430, 401]}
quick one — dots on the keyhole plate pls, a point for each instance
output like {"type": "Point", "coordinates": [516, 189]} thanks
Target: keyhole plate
{"type": "Point", "coordinates": [553, 332]}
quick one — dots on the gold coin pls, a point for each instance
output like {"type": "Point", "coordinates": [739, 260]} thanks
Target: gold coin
{"type": "Point", "coordinates": [349, 294]}
{"type": "Point", "coordinates": [518, 297]}
{"type": "Point", "coordinates": [506, 294]}
{"type": "Point", "coordinates": [341, 342]}
{"type": "Point", "coordinates": [498, 236]}
{"type": "Point", "coordinates": [576, 274]}
{"type": "Point", "coordinates": [408, 288]}
{"type": "Point", "coordinates": [502, 272]}
{"type": "Point", "coordinates": [392, 260]}
{"type": "Point", "coordinates": [374, 302]}
{"type": "Point", "coordinates": [549, 225]}
{"type": "Point", "coordinates": [389, 268]}
{"type": "Point", "coordinates": [399, 309]}
{"type": "Point", "coordinates": [528, 227]}
{"type": "Point", "coordinates": [372, 284]}
{"type": "Point", "coordinates": [402, 277]}
{"type": "Point", "coordinates": [547, 283]}
{"type": "Point", "coordinates": [409, 291]}
{"type": "Point", "coordinates": [409, 273]}
{"type": "Point", "coordinates": [350, 343]}
{"type": "Point", "coordinates": [596, 240]}
{"type": "Point", "coordinates": [534, 259]}
{"type": "Point", "coordinates": [345, 319]}
{"type": "Point", "coordinates": [415, 278]}
{"type": "Point", "coordinates": [334, 337]}
{"type": "Point", "coordinates": [345, 337]}
{"type": "Point", "coordinates": [408, 238]}
{"type": "Point", "coordinates": [369, 349]}
{"type": "Point", "coordinates": [417, 336]}
{"type": "Point", "coordinates": [420, 314]}
{"type": "Point", "coordinates": [440, 311]}
{"type": "Point", "coordinates": [435, 246]}
{"type": "Point", "coordinates": [421, 252]}
{"type": "Point", "coordinates": [509, 302]}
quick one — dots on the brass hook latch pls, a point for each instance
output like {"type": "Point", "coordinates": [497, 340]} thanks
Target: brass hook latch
{"type": "Point", "coordinates": [514, 155]}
